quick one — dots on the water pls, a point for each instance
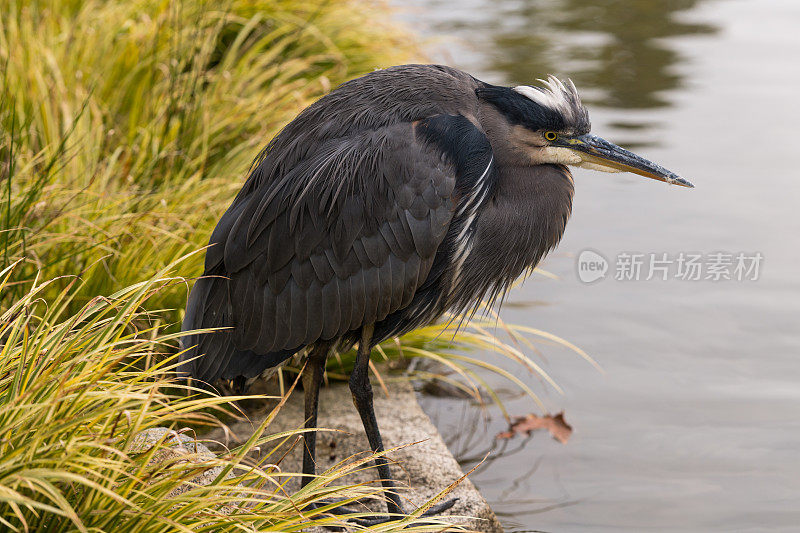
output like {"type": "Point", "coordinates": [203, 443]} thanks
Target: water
{"type": "Point", "coordinates": [695, 424]}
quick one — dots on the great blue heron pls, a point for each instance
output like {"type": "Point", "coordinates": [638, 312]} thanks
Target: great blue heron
{"type": "Point", "coordinates": [398, 196]}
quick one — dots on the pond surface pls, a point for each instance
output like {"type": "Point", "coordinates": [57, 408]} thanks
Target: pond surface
{"type": "Point", "coordinates": [695, 423]}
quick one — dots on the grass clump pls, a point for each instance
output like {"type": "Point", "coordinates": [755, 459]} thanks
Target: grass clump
{"type": "Point", "coordinates": [73, 398]}
{"type": "Point", "coordinates": [128, 127]}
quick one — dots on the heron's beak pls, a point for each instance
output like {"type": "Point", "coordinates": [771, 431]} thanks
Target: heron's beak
{"type": "Point", "coordinates": [599, 154]}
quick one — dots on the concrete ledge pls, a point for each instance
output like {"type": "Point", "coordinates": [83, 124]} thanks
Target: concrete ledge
{"type": "Point", "coordinates": [426, 467]}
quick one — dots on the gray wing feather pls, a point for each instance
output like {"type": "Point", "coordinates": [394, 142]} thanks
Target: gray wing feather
{"type": "Point", "coordinates": [363, 261]}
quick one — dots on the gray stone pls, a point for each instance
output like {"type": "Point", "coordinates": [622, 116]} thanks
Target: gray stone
{"type": "Point", "coordinates": [177, 447]}
{"type": "Point", "coordinates": [426, 466]}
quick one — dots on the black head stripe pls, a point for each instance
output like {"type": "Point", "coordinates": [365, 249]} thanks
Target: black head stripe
{"type": "Point", "coordinates": [553, 107]}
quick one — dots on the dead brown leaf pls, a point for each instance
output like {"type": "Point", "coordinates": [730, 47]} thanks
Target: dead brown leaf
{"type": "Point", "coordinates": [555, 424]}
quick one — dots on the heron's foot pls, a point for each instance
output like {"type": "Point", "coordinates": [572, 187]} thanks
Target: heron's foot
{"type": "Point", "coordinates": [433, 511]}
{"type": "Point", "coordinates": [337, 509]}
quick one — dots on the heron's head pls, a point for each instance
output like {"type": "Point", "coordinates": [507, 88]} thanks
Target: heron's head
{"type": "Point", "coordinates": [549, 124]}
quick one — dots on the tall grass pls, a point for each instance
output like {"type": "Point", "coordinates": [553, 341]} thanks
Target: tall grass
{"type": "Point", "coordinates": [73, 398]}
{"type": "Point", "coordinates": [127, 127]}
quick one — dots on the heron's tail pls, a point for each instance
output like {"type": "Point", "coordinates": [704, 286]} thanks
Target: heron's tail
{"type": "Point", "coordinates": [207, 308]}
{"type": "Point", "coordinates": [210, 356]}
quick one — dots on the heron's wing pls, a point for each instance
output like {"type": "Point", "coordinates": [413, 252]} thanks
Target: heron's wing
{"type": "Point", "coordinates": [341, 240]}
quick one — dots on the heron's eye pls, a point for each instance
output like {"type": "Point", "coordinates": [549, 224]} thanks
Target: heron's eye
{"type": "Point", "coordinates": [550, 136]}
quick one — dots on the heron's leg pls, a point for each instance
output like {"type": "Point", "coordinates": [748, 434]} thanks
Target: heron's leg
{"type": "Point", "coordinates": [312, 379]}
{"type": "Point", "coordinates": [361, 389]}
{"type": "Point", "coordinates": [362, 397]}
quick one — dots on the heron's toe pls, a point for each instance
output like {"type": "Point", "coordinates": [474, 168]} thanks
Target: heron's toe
{"type": "Point", "coordinates": [433, 511]}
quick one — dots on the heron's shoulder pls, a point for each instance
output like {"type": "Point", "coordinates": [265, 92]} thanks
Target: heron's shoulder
{"type": "Point", "coordinates": [402, 93]}
{"type": "Point", "coordinates": [379, 102]}
{"type": "Point", "coordinates": [438, 84]}
{"type": "Point", "coordinates": [429, 72]}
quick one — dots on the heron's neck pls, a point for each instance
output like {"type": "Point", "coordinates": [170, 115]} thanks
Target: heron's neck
{"type": "Point", "coordinates": [524, 220]}
{"type": "Point", "coordinates": [531, 207]}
